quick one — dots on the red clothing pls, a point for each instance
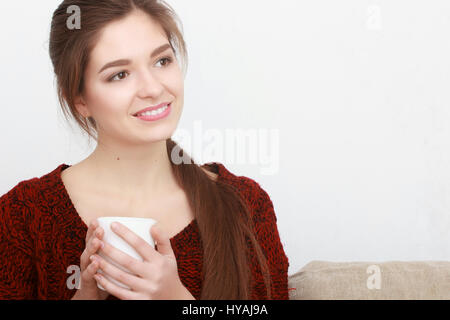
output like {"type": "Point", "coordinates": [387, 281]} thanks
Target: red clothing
{"type": "Point", "coordinates": [41, 235]}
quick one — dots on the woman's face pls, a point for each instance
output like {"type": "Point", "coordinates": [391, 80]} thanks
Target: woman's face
{"type": "Point", "coordinates": [112, 95]}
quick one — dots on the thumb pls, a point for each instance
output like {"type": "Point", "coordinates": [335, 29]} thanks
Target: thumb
{"type": "Point", "coordinates": [162, 240]}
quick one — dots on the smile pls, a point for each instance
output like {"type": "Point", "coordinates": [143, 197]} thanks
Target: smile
{"type": "Point", "coordinates": [155, 114]}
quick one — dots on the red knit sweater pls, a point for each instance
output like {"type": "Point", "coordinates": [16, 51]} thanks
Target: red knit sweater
{"type": "Point", "coordinates": [42, 235]}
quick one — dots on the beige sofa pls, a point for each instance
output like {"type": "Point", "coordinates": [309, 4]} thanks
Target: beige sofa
{"type": "Point", "coordinates": [415, 280]}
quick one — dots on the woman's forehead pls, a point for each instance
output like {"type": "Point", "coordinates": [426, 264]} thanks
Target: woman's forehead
{"type": "Point", "coordinates": [133, 36]}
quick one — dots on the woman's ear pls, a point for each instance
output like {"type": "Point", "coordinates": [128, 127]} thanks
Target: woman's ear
{"type": "Point", "coordinates": [81, 107]}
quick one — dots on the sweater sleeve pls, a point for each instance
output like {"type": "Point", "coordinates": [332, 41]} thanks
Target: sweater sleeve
{"type": "Point", "coordinates": [17, 274]}
{"type": "Point", "coordinates": [270, 242]}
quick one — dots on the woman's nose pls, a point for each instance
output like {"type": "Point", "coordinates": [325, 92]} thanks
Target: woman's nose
{"type": "Point", "coordinates": [149, 85]}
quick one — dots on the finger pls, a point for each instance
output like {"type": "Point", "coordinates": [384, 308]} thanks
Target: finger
{"type": "Point", "coordinates": [95, 245]}
{"type": "Point", "coordinates": [92, 226]}
{"type": "Point", "coordinates": [92, 268]}
{"type": "Point", "coordinates": [163, 241]}
{"type": "Point", "coordinates": [88, 274]}
{"type": "Point", "coordinates": [92, 247]}
{"type": "Point", "coordinates": [146, 251]}
{"type": "Point", "coordinates": [99, 232]}
{"type": "Point", "coordinates": [132, 281]}
{"type": "Point", "coordinates": [123, 259]}
{"type": "Point", "coordinates": [115, 290]}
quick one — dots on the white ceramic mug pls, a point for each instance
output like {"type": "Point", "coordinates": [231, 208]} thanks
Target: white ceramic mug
{"type": "Point", "coordinates": [140, 226]}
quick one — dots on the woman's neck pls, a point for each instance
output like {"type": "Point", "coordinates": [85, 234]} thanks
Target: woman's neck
{"type": "Point", "coordinates": [131, 174]}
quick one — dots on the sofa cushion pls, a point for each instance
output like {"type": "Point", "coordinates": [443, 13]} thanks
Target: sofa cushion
{"type": "Point", "coordinates": [414, 280]}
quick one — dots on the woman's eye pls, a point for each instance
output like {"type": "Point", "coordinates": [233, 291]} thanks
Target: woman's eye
{"type": "Point", "coordinates": [114, 77]}
{"type": "Point", "coordinates": [167, 59]}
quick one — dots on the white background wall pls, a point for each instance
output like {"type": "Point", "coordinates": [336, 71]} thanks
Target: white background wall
{"type": "Point", "coordinates": [357, 89]}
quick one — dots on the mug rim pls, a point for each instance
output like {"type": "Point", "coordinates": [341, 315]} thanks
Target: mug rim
{"type": "Point", "coordinates": [125, 218]}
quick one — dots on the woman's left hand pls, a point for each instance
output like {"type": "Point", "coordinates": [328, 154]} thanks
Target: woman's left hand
{"type": "Point", "coordinates": [155, 278]}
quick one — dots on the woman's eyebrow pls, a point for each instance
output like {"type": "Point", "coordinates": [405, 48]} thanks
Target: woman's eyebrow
{"type": "Point", "coordinates": [124, 62]}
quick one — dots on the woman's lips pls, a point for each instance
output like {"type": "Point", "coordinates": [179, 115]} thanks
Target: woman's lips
{"type": "Point", "coordinates": [156, 117]}
{"type": "Point", "coordinates": [152, 108]}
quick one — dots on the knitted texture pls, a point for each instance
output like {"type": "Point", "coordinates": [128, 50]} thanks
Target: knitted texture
{"type": "Point", "coordinates": [42, 238]}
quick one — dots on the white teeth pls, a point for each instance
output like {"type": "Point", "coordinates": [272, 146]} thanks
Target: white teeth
{"type": "Point", "coordinates": [154, 112]}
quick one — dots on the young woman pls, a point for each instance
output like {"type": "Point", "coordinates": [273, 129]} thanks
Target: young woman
{"type": "Point", "coordinates": [216, 234]}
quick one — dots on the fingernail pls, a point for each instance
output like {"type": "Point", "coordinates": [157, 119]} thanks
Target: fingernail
{"type": "Point", "coordinates": [92, 258]}
{"type": "Point", "coordinates": [102, 245]}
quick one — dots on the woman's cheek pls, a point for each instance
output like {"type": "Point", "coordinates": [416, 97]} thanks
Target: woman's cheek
{"type": "Point", "coordinates": [117, 94]}
{"type": "Point", "coordinates": [177, 87]}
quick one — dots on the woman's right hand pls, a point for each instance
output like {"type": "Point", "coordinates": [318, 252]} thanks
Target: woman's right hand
{"type": "Point", "coordinates": [88, 287]}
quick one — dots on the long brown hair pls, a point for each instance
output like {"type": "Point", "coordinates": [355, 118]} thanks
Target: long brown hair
{"type": "Point", "coordinates": [224, 220]}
